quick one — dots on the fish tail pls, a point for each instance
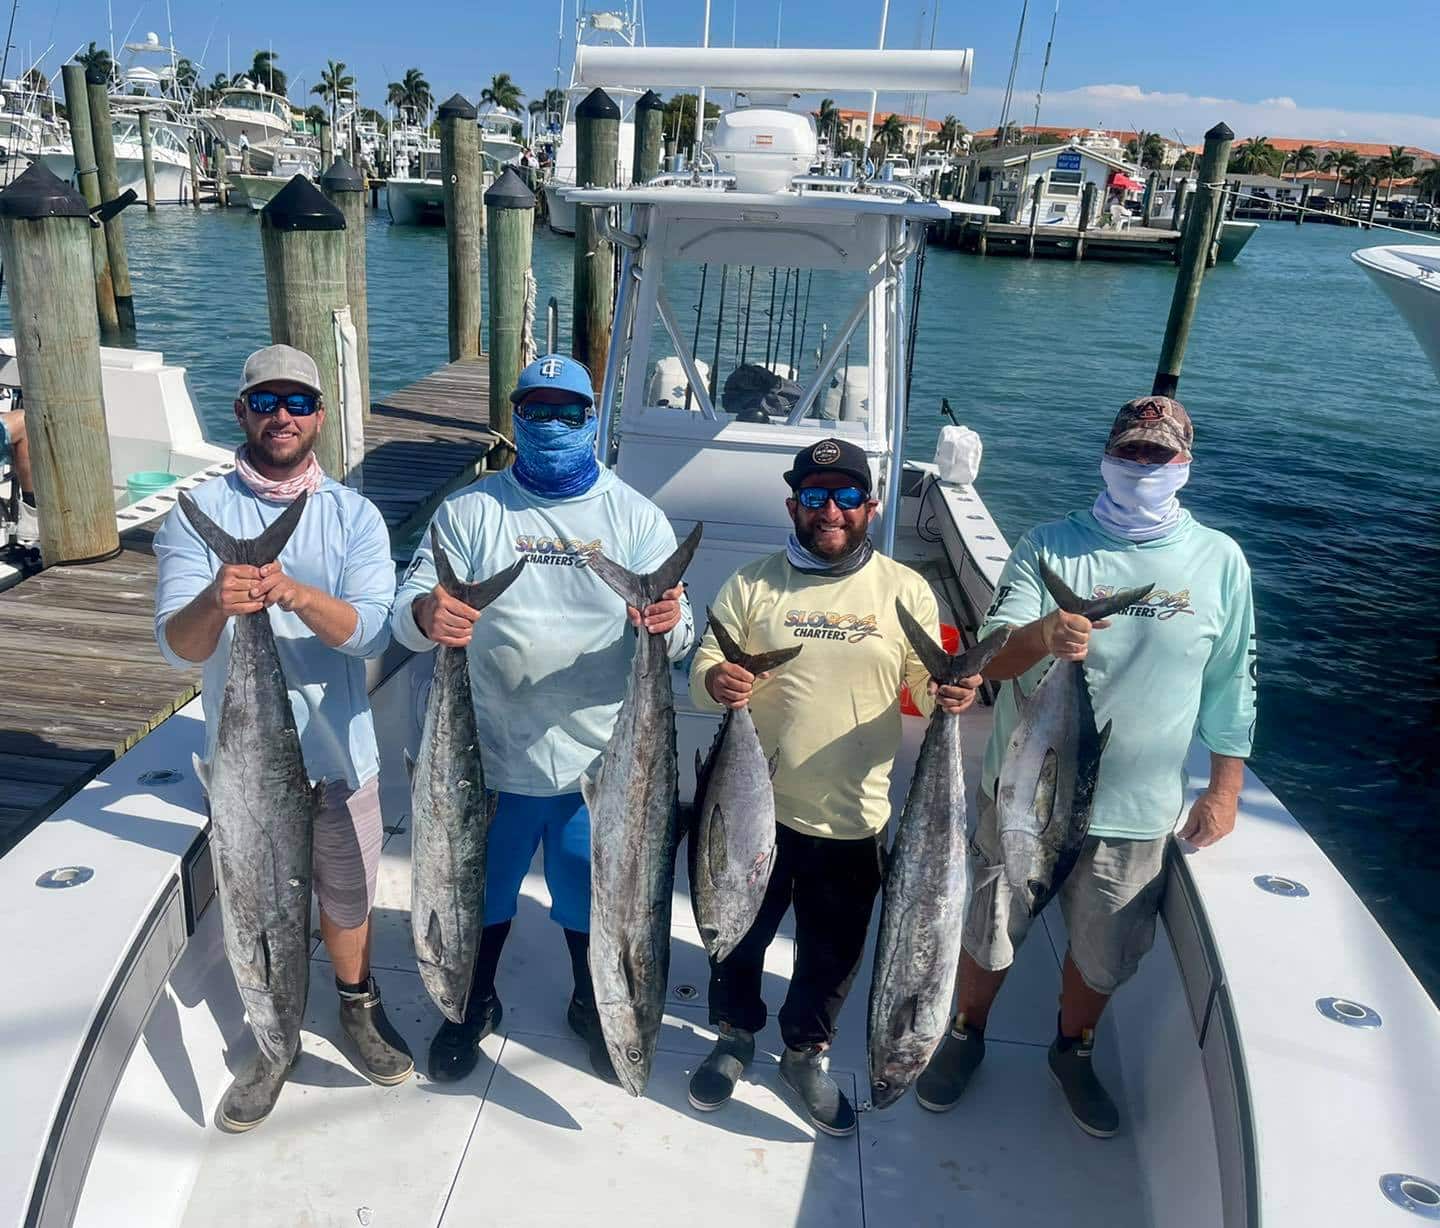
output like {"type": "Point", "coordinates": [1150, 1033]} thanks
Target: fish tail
{"type": "Point", "coordinates": [478, 594]}
{"type": "Point", "coordinates": [944, 667]}
{"type": "Point", "coordinates": [756, 663]}
{"type": "Point", "coordinates": [640, 591]}
{"type": "Point", "coordinates": [254, 551]}
{"type": "Point", "coordinates": [1103, 607]}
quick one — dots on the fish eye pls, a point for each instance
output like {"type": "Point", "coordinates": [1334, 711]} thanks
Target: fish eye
{"type": "Point", "coordinates": [633, 1055]}
{"type": "Point", "coordinates": [881, 1085]}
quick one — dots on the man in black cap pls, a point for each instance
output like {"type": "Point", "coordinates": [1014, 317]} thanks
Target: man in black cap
{"type": "Point", "coordinates": [831, 719]}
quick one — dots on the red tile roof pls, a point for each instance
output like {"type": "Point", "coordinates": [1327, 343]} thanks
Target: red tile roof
{"type": "Point", "coordinates": [1366, 149]}
{"type": "Point", "coordinates": [846, 114]}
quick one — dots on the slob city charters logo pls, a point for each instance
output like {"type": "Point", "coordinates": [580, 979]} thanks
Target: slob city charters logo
{"type": "Point", "coordinates": [829, 625]}
{"type": "Point", "coordinates": [557, 551]}
{"type": "Point", "coordinates": [1155, 604]}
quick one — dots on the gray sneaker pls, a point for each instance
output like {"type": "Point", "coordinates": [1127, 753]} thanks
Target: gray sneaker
{"type": "Point", "coordinates": [1072, 1068]}
{"type": "Point", "coordinates": [252, 1095]}
{"type": "Point", "coordinates": [384, 1057]}
{"type": "Point", "coordinates": [825, 1104]}
{"type": "Point", "coordinates": [713, 1082]}
{"type": "Point", "coordinates": [944, 1081]}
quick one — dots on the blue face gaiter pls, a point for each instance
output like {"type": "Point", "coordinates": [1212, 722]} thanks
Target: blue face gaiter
{"type": "Point", "coordinates": [553, 460]}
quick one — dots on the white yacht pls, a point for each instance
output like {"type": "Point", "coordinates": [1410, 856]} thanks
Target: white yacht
{"type": "Point", "coordinates": [1410, 277]}
{"type": "Point", "coordinates": [501, 135]}
{"type": "Point", "coordinates": [262, 117]}
{"type": "Point", "coordinates": [414, 193]}
{"type": "Point", "coordinates": [28, 123]}
{"type": "Point", "coordinates": [254, 192]}
{"type": "Point", "coordinates": [169, 151]}
{"type": "Point", "coordinates": [1275, 1059]}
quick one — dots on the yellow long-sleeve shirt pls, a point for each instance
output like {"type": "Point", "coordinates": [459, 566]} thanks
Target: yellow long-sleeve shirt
{"type": "Point", "coordinates": [833, 712]}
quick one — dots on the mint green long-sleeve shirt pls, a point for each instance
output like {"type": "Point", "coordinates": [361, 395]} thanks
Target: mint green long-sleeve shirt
{"type": "Point", "coordinates": [1177, 665]}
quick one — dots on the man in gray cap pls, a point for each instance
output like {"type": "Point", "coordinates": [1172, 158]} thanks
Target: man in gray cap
{"type": "Point", "coordinates": [1177, 664]}
{"type": "Point", "coordinates": [328, 597]}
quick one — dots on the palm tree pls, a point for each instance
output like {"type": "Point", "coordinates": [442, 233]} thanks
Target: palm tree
{"type": "Point", "coordinates": [97, 60]}
{"type": "Point", "coordinates": [951, 130]}
{"type": "Point", "coordinates": [1256, 156]}
{"type": "Point", "coordinates": [1306, 158]}
{"type": "Point", "coordinates": [502, 92]}
{"type": "Point", "coordinates": [1398, 164]}
{"type": "Point", "coordinates": [334, 81]}
{"type": "Point", "coordinates": [263, 72]}
{"type": "Point", "coordinates": [1427, 183]}
{"type": "Point", "coordinates": [891, 133]}
{"type": "Point", "coordinates": [827, 121]}
{"type": "Point", "coordinates": [412, 91]}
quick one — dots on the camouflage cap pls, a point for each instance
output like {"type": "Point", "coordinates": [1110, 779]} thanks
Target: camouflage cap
{"type": "Point", "coordinates": [1157, 420]}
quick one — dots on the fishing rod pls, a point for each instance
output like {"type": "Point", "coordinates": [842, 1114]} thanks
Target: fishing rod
{"type": "Point", "coordinates": [804, 322]}
{"type": "Point", "coordinates": [749, 302]}
{"type": "Point", "coordinates": [780, 334]}
{"type": "Point", "coordinates": [794, 323]}
{"type": "Point", "coordinates": [699, 312]}
{"type": "Point", "coordinates": [770, 325]}
{"type": "Point", "coordinates": [5, 58]}
{"type": "Point", "coordinates": [719, 328]}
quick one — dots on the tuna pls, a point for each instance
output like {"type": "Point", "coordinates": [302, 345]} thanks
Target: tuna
{"type": "Point", "coordinates": [733, 840]}
{"type": "Point", "coordinates": [451, 811]}
{"type": "Point", "coordinates": [263, 809]}
{"type": "Point", "coordinates": [1052, 763]}
{"type": "Point", "coordinates": [633, 837]}
{"type": "Point", "coordinates": [927, 888]}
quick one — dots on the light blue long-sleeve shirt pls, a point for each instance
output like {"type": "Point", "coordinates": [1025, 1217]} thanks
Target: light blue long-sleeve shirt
{"type": "Point", "coordinates": [1178, 664]}
{"type": "Point", "coordinates": [549, 659]}
{"type": "Point", "coordinates": [340, 546]}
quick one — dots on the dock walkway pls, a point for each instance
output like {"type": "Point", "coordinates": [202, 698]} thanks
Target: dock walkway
{"type": "Point", "coordinates": [81, 680]}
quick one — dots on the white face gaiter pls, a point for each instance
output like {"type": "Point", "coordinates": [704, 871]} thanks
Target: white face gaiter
{"type": "Point", "coordinates": [1139, 501]}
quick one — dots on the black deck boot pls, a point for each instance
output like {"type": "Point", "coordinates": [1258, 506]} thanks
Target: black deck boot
{"type": "Point", "coordinates": [943, 1082]}
{"type": "Point", "coordinates": [713, 1082]}
{"type": "Point", "coordinates": [252, 1095]}
{"type": "Point", "coordinates": [1073, 1069]}
{"type": "Point", "coordinates": [384, 1056]}
{"type": "Point", "coordinates": [455, 1050]}
{"type": "Point", "coordinates": [827, 1106]}
{"type": "Point", "coordinates": [584, 1021]}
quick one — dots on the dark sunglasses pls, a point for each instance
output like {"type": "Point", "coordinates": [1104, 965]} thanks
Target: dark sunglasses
{"type": "Point", "coordinates": [847, 498]}
{"type": "Point", "coordinates": [297, 404]}
{"type": "Point", "coordinates": [539, 411]}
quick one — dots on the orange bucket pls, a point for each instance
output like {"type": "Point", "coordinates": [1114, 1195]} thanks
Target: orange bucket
{"type": "Point", "coordinates": [950, 642]}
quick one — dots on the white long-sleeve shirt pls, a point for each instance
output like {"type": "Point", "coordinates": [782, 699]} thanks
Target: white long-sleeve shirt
{"type": "Point", "coordinates": [549, 659]}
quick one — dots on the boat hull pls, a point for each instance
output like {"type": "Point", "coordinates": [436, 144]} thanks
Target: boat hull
{"type": "Point", "coordinates": [559, 211]}
{"type": "Point", "coordinates": [1410, 278]}
{"type": "Point", "coordinates": [172, 186]}
{"type": "Point", "coordinates": [416, 202]}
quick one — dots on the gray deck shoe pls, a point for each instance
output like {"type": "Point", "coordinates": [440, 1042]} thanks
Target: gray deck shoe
{"type": "Point", "coordinates": [828, 1109]}
{"type": "Point", "coordinates": [384, 1057]}
{"type": "Point", "coordinates": [455, 1049]}
{"type": "Point", "coordinates": [252, 1095]}
{"type": "Point", "coordinates": [944, 1081]}
{"type": "Point", "coordinates": [584, 1021]}
{"type": "Point", "coordinates": [1072, 1068]}
{"type": "Point", "coordinates": [713, 1082]}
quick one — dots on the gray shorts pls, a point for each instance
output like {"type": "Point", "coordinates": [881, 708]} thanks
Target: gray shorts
{"type": "Point", "coordinates": [1109, 903]}
{"type": "Point", "coordinates": [345, 851]}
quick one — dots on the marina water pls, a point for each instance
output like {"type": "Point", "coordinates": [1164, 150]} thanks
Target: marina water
{"type": "Point", "coordinates": [1316, 448]}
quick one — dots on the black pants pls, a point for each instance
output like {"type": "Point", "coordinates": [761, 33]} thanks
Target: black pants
{"type": "Point", "coordinates": [832, 884]}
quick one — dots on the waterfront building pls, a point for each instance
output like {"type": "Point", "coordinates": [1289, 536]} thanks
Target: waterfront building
{"type": "Point", "coordinates": [853, 124]}
{"type": "Point", "coordinates": [1006, 177]}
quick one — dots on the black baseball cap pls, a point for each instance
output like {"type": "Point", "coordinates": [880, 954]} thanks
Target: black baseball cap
{"type": "Point", "coordinates": [830, 456]}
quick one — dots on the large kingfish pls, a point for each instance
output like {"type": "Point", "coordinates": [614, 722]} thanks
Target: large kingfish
{"type": "Point", "coordinates": [1052, 762]}
{"type": "Point", "coordinates": [927, 888]}
{"type": "Point", "coordinates": [450, 812]}
{"type": "Point", "coordinates": [733, 839]}
{"type": "Point", "coordinates": [263, 807]}
{"type": "Point", "coordinates": [633, 837]}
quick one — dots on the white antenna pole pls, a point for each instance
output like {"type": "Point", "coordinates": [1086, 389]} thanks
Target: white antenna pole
{"type": "Point", "coordinates": [779, 16]}
{"type": "Point", "coordinates": [925, 98]}
{"type": "Point", "coordinates": [110, 25]}
{"type": "Point", "coordinates": [874, 94]}
{"type": "Point", "coordinates": [700, 102]}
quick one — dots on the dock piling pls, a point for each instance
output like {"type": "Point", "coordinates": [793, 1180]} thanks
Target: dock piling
{"type": "Point", "coordinates": [49, 268]}
{"type": "Point", "coordinates": [649, 137]}
{"type": "Point", "coordinates": [102, 133]}
{"type": "Point", "coordinates": [460, 170]}
{"type": "Point", "coordinates": [302, 236]}
{"type": "Point", "coordinates": [344, 187]}
{"type": "Point", "coordinates": [1177, 209]}
{"type": "Point", "coordinates": [147, 153]}
{"type": "Point", "coordinates": [1304, 205]}
{"type": "Point", "coordinates": [195, 172]}
{"type": "Point", "coordinates": [327, 146]}
{"type": "Point", "coordinates": [1194, 253]}
{"type": "Point", "coordinates": [597, 148]}
{"type": "Point", "coordinates": [77, 105]}
{"type": "Point", "coordinates": [1147, 204]}
{"type": "Point", "coordinates": [509, 233]}
{"type": "Point", "coordinates": [1087, 207]}
{"type": "Point", "coordinates": [1034, 214]}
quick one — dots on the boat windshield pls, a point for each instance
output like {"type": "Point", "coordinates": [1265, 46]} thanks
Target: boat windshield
{"type": "Point", "coordinates": [761, 337]}
{"type": "Point", "coordinates": [245, 100]}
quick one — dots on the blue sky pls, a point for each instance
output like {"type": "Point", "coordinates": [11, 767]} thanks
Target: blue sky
{"type": "Point", "coordinates": [1312, 68]}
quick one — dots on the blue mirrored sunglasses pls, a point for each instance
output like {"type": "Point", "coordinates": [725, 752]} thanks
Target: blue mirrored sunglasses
{"type": "Point", "coordinates": [572, 415]}
{"type": "Point", "coordinates": [847, 498]}
{"type": "Point", "coordinates": [297, 404]}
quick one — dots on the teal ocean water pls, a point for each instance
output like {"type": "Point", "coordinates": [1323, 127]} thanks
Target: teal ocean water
{"type": "Point", "coordinates": [1316, 448]}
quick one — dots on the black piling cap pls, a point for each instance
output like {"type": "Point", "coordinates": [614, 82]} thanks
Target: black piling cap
{"type": "Point", "coordinates": [96, 75]}
{"type": "Point", "coordinates": [597, 105]}
{"type": "Point", "coordinates": [39, 193]}
{"type": "Point", "coordinates": [342, 177]}
{"type": "Point", "coordinates": [650, 101]}
{"type": "Point", "coordinates": [509, 192]}
{"type": "Point", "coordinates": [300, 205]}
{"type": "Point", "coordinates": [457, 106]}
{"type": "Point", "coordinates": [1220, 132]}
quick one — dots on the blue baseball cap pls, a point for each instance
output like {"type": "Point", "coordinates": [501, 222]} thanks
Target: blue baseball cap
{"type": "Point", "coordinates": [555, 373]}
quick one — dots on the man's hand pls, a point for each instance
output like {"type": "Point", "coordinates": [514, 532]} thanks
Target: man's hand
{"type": "Point", "coordinates": [1067, 636]}
{"type": "Point", "coordinates": [235, 589]}
{"type": "Point", "coordinates": [955, 698]}
{"type": "Point", "coordinates": [445, 619]}
{"type": "Point", "coordinates": [663, 616]}
{"type": "Point", "coordinates": [1212, 818]}
{"type": "Point", "coordinates": [276, 588]}
{"type": "Point", "coordinates": [730, 684]}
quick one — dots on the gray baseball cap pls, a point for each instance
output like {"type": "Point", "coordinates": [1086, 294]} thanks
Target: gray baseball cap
{"type": "Point", "coordinates": [280, 362]}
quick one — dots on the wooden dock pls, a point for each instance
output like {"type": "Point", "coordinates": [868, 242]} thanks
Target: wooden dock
{"type": "Point", "coordinates": [82, 678]}
{"type": "Point", "coordinates": [1055, 242]}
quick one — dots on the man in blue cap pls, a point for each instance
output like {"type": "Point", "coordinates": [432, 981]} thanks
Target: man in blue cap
{"type": "Point", "coordinates": [548, 665]}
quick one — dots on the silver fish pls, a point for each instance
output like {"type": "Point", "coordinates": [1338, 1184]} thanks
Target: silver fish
{"type": "Point", "coordinates": [927, 888]}
{"type": "Point", "coordinates": [733, 841]}
{"type": "Point", "coordinates": [263, 807]}
{"type": "Point", "coordinates": [1052, 763]}
{"type": "Point", "coordinates": [633, 837]}
{"type": "Point", "coordinates": [451, 811]}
